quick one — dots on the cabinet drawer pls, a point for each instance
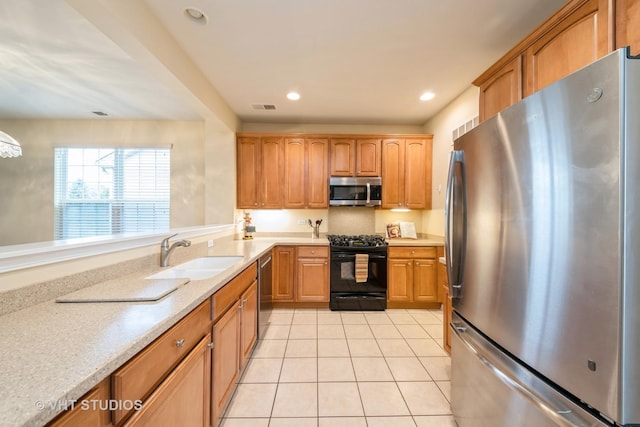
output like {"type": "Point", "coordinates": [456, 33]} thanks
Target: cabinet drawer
{"type": "Point", "coordinates": [313, 252]}
{"type": "Point", "coordinates": [412, 252]}
{"type": "Point", "coordinates": [140, 376]}
{"type": "Point", "coordinates": [230, 292]}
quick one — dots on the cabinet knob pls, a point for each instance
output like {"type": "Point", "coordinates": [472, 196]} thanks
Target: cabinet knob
{"type": "Point", "coordinates": [180, 343]}
{"type": "Point", "coordinates": [210, 345]}
{"type": "Point", "coordinates": [313, 252]}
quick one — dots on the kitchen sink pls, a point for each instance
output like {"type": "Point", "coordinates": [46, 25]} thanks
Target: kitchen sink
{"type": "Point", "coordinates": [198, 268]}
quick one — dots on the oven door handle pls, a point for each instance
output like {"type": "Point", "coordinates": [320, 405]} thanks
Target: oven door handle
{"type": "Point", "coordinates": [368, 193]}
{"type": "Point", "coordinates": [353, 256]}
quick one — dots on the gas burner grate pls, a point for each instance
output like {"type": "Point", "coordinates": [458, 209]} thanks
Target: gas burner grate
{"type": "Point", "coordinates": [362, 240]}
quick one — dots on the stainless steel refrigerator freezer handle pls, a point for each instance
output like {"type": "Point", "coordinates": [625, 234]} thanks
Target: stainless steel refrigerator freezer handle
{"type": "Point", "coordinates": [561, 414]}
{"type": "Point", "coordinates": [456, 222]}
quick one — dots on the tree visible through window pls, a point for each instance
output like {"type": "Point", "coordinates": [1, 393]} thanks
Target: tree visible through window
{"type": "Point", "coordinates": [100, 191]}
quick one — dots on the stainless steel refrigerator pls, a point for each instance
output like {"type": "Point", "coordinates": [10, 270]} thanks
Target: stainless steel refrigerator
{"type": "Point", "coordinates": [543, 247]}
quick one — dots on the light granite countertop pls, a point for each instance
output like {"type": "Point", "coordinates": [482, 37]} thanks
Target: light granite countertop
{"type": "Point", "coordinates": [53, 353]}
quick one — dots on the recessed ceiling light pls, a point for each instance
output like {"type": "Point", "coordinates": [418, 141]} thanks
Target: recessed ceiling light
{"type": "Point", "coordinates": [427, 96]}
{"type": "Point", "coordinates": [293, 96]}
{"type": "Point", "coordinates": [195, 15]}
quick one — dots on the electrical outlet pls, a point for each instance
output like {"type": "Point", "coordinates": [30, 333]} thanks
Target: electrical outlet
{"type": "Point", "coordinates": [301, 222]}
{"type": "Point", "coordinates": [210, 244]}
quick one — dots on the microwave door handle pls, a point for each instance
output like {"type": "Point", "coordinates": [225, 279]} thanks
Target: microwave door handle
{"type": "Point", "coordinates": [368, 193]}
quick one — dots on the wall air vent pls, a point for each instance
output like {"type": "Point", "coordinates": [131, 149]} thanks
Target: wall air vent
{"type": "Point", "coordinates": [263, 106]}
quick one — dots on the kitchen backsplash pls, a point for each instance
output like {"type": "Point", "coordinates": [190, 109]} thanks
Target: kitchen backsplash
{"type": "Point", "coordinates": [336, 220]}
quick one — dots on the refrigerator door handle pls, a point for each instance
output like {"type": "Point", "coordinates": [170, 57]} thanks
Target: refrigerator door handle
{"type": "Point", "coordinates": [456, 222]}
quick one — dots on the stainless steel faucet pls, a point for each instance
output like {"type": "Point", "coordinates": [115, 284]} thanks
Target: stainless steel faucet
{"type": "Point", "coordinates": [165, 249]}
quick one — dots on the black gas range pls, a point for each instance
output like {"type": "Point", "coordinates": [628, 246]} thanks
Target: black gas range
{"type": "Point", "coordinates": [358, 272]}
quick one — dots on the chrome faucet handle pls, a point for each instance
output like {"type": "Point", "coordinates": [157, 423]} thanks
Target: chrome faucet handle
{"type": "Point", "coordinates": [165, 241]}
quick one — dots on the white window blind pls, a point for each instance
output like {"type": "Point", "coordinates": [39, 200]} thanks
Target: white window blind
{"type": "Point", "coordinates": [101, 191]}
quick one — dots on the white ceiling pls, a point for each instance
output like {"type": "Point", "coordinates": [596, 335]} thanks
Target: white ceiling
{"type": "Point", "coordinates": [353, 61]}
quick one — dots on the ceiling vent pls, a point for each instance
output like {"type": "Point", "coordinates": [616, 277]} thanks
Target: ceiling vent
{"type": "Point", "coordinates": [263, 106]}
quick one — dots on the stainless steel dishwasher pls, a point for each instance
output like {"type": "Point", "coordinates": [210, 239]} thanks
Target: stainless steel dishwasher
{"type": "Point", "coordinates": [265, 295]}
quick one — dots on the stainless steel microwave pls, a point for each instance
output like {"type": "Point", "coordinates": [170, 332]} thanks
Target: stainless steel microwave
{"type": "Point", "coordinates": [351, 191]}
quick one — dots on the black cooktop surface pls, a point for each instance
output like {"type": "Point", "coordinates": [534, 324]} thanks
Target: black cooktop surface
{"type": "Point", "coordinates": [362, 240]}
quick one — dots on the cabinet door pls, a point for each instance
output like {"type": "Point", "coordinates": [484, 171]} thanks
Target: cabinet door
{"type": "Point", "coordinates": [343, 157]}
{"type": "Point", "coordinates": [283, 265]}
{"type": "Point", "coordinates": [248, 321]}
{"type": "Point", "coordinates": [312, 283]}
{"type": "Point", "coordinates": [184, 397]}
{"type": "Point", "coordinates": [226, 357]}
{"type": "Point", "coordinates": [393, 173]}
{"type": "Point", "coordinates": [247, 166]}
{"type": "Point", "coordinates": [271, 173]}
{"type": "Point", "coordinates": [576, 41]}
{"type": "Point", "coordinates": [417, 173]}
{"type": "Point", "coordinates": [294, 173]}
{"type": "Point", "coordinates": [446, 311]}
{"type": "Point", "coordinates": [368, 157]}
{"type": "Point", "coordinates": [93, 416]}
{"type": "Point", "coordinates": [424, 280]}
{"type": "Point", "coordinates": [400, 280]}
{"type": "Point", "coordinates": [318, 171]}
{"type": "Point", "coordinates": [502, 90]}
{"type": "Point", "coordinates": [628, 25]}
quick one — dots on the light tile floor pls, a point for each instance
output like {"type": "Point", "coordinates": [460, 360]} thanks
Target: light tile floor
{"type": "Point", "coordinates": [315, 367]}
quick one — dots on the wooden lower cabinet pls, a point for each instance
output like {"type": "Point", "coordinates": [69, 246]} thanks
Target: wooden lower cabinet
{"type": "Point", "coordinates": [183, 398]}
{"type": "Point", "coordinates": [312, 274]}
{"type": "Point", "coordinates": [226, 359]}
{"type": "Point", "coordinates": [411, 278]}
{"type": "Point", "coordinates": [301, 276]}
{"type": "Point", "coordinates": [283, 273]}
{"type": "Point", "coordinates": [248, 321]}
{"type": "Point", "coordinates": [234, 336]}
{"type": "Point", "coordinates": [91, 409]}
{"type": "Point", "coordinates": [446, 306]}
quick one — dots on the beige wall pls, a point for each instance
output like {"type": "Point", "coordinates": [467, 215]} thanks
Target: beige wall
{"type": "Point", "coordinates": [459, 111]}
{"type": "Point", "coordinates": [26, 183]}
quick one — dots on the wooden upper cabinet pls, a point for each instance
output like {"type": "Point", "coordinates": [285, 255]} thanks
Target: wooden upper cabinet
{"type": "Point", "coordinates": [406, 173]}
{"type": "Point", "coordinates": [503, 89]}
{"type": "Point", "coordinates": [247, 164]}
{"type": "Point", "coordinates": [417, 173]}
{"type": "Point", "coordinates": [368, 157]}
{"type": "Point", "coordinates": [628, 25]}
{"type": "Point", "coordinates": [306, 173]}
{"type": "Point", "coordinates": [271, 173]}
{"type": "Point", "coordinates": [576, 35]}
{"type": "Point", "coordinates": [393, 173]}
{"type": "Point", "coordinates": [343, 157]}
{"type": "Point", "coordinates": [356, 157]}
{"type": "Point", "coordinates": [317, 173]}
{"type": "Point", "coordinates": [260, 174]}
{"type": "Point", "coordinates": [294, 171]}
{"type": "Point", "coordinates": [576, 41]}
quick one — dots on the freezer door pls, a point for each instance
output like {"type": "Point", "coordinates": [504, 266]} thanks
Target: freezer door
{"type": "Point", "coordinates": [490, 389]}
{"type": "Point", "coordinates": [540, 266]}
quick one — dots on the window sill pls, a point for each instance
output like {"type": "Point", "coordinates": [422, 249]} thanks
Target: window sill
{"type": "Point", "coordinates": [19, 257]}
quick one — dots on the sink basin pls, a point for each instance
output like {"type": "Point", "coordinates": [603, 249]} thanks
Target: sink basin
{"type": "Point", "coordinates": [210, 263]}
{"type": "Point", "coordinates": [199, 268]}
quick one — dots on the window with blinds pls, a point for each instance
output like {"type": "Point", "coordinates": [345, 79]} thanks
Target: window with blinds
{"type": "Point", "coordinates": [100, 191]}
